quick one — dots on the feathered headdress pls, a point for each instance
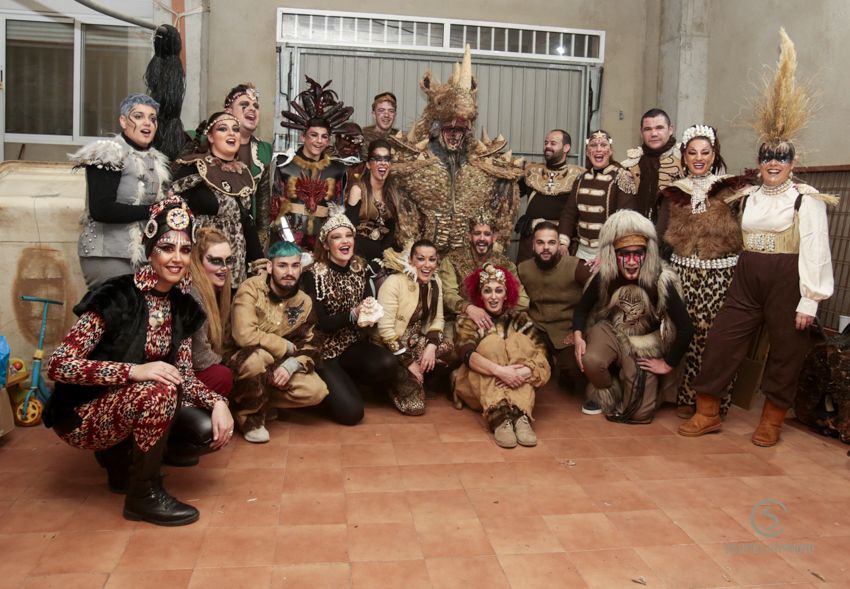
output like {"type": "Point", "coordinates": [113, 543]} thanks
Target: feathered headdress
{"type": "Point", "coordinates": [317, 103]}
{"type": "Point", "coordinates": [784, 108]}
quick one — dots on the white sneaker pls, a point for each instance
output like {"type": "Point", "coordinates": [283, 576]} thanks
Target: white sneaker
{"type": "Point", "coordinates": [259, 435]}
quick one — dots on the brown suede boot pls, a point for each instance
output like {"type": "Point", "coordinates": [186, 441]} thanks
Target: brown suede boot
{"type": "Point", "coordinates": [767, 433]}
{"type": "Point", "coordinates": [705, 420]}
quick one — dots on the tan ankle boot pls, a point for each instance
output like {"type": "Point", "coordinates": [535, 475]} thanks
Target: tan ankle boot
{"type": "Point", "coordinates": [705, 420]}
{"type": "Point", "coordinates": [767, 433]}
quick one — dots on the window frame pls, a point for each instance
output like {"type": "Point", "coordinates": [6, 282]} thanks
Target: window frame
{"type": "Point", "coordinates": [76, 137]}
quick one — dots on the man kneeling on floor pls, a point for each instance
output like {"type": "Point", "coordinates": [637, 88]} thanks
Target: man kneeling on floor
{"type": "Point", "coordinates": [638, 321]}
{"type": "Point", "coordinates": [275, 348]}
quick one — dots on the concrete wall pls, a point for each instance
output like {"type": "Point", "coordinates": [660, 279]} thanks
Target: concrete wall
{"type": "Point", "coordinates": [242, 45]}
{"type": "Point", "coordinates": [745, 35]}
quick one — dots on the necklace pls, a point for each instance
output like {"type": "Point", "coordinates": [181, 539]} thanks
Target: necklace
{"type": "Point", "coordinates": [774, 190]}
{"type": "Point", "coordinates": [700, 185]}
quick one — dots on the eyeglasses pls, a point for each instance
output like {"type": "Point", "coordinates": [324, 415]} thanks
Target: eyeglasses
{"type": "Point", "coordinates": [220, 262]}
{"type": "Point", "coordinates": [380, 158]}
{"type": "Point", "coordinates": [769, 155]}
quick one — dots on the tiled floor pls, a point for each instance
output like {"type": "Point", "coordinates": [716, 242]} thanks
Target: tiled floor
{"type": "Point", "coordinates": [432, 502]}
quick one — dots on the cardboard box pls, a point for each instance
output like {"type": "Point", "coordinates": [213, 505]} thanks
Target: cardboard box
{"type": "Point", "coordinates": [7, 418]}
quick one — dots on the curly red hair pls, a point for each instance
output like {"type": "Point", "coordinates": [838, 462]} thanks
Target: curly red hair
{"type": "Point", "coordinates": [474, 290]}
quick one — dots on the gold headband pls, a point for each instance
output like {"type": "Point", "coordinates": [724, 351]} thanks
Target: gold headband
{"type": "Point", "coordinates": [489, 273]}
{"type": "Point", "coordinates": [221, 117]}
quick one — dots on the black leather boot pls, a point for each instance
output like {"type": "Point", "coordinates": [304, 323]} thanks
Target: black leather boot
{"type": "Point", "coordinates": [189, 438]}
{"type": "Point", "coordinates": [116, 461]}
{"type": "Point", "coordinates": [146, 499]}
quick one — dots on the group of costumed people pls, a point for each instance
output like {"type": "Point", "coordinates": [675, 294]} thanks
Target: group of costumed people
{"type": "Point", "coordinates": [240, 282]}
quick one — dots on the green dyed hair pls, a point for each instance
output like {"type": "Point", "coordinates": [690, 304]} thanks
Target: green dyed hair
{"type": "Point", "coordinates": [283, 249]}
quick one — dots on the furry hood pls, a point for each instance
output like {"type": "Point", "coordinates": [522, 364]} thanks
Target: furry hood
{"type": "Point", "coordinates": [621, 223]}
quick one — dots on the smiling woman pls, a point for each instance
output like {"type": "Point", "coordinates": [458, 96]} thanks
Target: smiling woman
{"type": "Point", "coordinates": [219, 188]}
{"type": "Point", "coordinates": [124, 175]}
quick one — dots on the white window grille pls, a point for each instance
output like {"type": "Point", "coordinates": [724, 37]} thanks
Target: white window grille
{"type": "Point", "coordinates": [352, 29]}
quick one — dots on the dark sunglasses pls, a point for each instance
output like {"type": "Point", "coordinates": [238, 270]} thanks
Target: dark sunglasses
{"type": "Point", "coordinates": [220, 262]}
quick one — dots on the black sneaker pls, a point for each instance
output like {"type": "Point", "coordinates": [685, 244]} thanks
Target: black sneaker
{"type": "Point", "coordinates": [590, 408]}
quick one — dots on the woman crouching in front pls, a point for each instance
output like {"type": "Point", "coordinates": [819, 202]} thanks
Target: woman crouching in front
{"type": "Point", "coordinates": [503, 365]}
{"type": "Point", "coordinates": [126, 366]}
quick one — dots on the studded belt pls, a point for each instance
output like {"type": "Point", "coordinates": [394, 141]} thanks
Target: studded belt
{"type": "Point", "coordinates": [713, 264]}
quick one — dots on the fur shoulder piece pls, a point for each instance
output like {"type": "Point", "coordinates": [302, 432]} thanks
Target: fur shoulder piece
{"type": "Point", "coordinates": [731, 184]}
{"type": "Point", "coordinates": [503, 166]}
{"type": "Point", "coordinates": [633, 155]}
{"type": "Point", "coordinates": [805, 189]}
{"type": "Point", "coordinates": [625, 181]}
{"type": "Point", "coordinates": [677, 193]}
{"type": "Point", "coordinates": [109, 154]}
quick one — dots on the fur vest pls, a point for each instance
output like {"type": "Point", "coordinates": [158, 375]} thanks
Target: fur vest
{"type": "Point", "coordinates": [123, 308]}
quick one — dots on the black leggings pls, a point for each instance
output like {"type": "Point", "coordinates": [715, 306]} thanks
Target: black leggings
{"type": "Point", "coordinates": [362, 363]}
{"type": "Point", "coordinates": [191, 432]}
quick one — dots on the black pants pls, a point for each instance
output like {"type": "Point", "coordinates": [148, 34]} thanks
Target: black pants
{"type": "Point", "coordinates": [362, 363]}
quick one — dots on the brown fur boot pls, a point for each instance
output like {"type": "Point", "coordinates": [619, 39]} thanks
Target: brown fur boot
{"type": "Point", "coordinates": [705, 420]}
{"type": "Point", "coordinates": [767, 433]}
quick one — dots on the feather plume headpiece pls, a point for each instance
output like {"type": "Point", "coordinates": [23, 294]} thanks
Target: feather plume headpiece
{"type": "Point", "coordinates": [784, 107]}
{"type": "Point", "coordinates": [317, 103]}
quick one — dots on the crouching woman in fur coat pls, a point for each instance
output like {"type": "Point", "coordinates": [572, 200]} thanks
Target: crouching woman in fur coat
{"type": "Point", "coordinates": [503, 365]}
{"type": "Point", "coordinates": [631, 315]}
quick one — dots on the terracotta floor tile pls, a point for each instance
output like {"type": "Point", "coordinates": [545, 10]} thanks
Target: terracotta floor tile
{"type": "Point", "coordinates": [511, 534]}
{"type": "Point", "coordinates": [149, 580]}
{"type": "Point", "coordinates": [584, 531]}
{"type": "Point", "coordinates": [160, 548]}
{"type": "Point", "coordinates": [542, 474]}
{"type": "Point", "coordinates": [309, 479]}
{"type": "Point", "coordinates": [365, 433]}
{"type": "Point", "coordinates": [476, 451]}
{"type": "Point", "coordinates": [377, 454]}
{"type": "Point", "coordinates": [462, 432]}
{"type": "Point", "coordinates": [20, 552]}
{"type": "Point", "coordinates": [705, 525]}
{"type": "Point", "coordinates": [312, 576]}
{"type": "Point", "coordinates": [322, 456]}
{"type": "Point", "coordinates": [371, 479]}
{"type": "Point", "coordinates": [65, 581]}
{"type": "Point", "coordinates": [742, 465]}
{"type": "Point", "coordinates": [314, 434]}
{"type": "Point", "coordinates": [752, 563]}
{"type": "Point", "coordinates": [431, 477]}
{"type": "Point", "coordinates": [247, 455]}
{"type": "Point", "coordinates": [39, 515]}
{"type": "Point", "coordinates": [378, 508]}
{"type": "Point", "coordinates": [100, 512]}
{"type": "Point", "coordinates": [825, 556]}
{"type": "Point", "coordinates": [406, 574]}
{"type": "Point", "coordinates": [383, 542]}
{"type": "Point", "coordinates": [830, 487]}
{"type": "Point", "coordinates": [596, 470]}
{"type": "Point", "coordinates": [558, 428]}
{"type": "Point", "coordinates": [410, 432]}
{"type": "Point", "coordinates": [424, 453]}
{"type": "Point", "coordinates": [562, 499]}
{"type": "Point", "coordinates": [15, 487]}
{"type": "Point", "coordinates": [819, 518]}
{"type": "Point", "coordinates": [621, 567]}
{"type": "Point", "coordinates": [193, 483]}
{"type": "Point", "coordinates": [453, 538]}
{"type": "Point", "coordinates": [538, 453]}
{"type": "Point", "coordinates": [677, 494]}
{"type": "Point", "coordinates": [532, 571]}
{"type": "Point", "coordinates": [485, 475]}
{"type": "Point", "coordinates": [238, 547]}
{"type": "Point", "coordinates": [254, 482]}
{"type": "Point", "coordinates": [647, 527]}
{"type": "Point", "coordinates": [101, 554]}
{"type": "Point", "coordinates": [684, 566]}
{"type": "Point", "coordinates": [254, 577]}
{"type": "Point", "coordinates": [463, 573]}
{"type": "Point", "coordinates": [572, 448]}
{"type": "Point", "coordinates": [450, 505]}
{"type": "Point", "coordinates": [619, 496]}
{"type": "Point", "coordinates": [312, 508]}
{"type": "Point", "coordinates": [311, 544]}
{"type": "Point", "coordinates": [242, 511]}
{"type": "Point", "coordinates": [487, 502]}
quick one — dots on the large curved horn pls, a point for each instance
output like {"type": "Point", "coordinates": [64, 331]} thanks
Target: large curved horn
{"type": "Point", "coordinates": [464, 80]}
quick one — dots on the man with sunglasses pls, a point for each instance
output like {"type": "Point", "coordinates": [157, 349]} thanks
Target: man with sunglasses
{"type": "Point", "coordinates": [274, 347]}
{"type": "Point", "coordinates": [631, 317]}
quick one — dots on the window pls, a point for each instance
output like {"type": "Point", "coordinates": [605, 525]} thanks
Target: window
{"type": "Point", "coordinates": [44, 84]}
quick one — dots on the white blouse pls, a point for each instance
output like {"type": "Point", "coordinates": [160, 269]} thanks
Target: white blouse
{"type": "Point", "coordinates": [775, 213]}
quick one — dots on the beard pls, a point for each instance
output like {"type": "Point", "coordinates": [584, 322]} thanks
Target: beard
{"type": "Point", "coordinates": [283, 291]}
{"type": "Point", "coordinates": [554, 159]}
{"type": "Point", "coordinates": [547, 264]}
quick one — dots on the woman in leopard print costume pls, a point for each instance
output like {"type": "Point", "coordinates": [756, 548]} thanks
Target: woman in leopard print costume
{"type": "Point", "coordinates": [339, 282]}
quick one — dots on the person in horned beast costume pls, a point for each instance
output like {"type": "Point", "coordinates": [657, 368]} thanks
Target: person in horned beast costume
{"type": "Point", "coordinates": [631, 315]}
{"type": "Point", "coordinates": [445, 174]}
